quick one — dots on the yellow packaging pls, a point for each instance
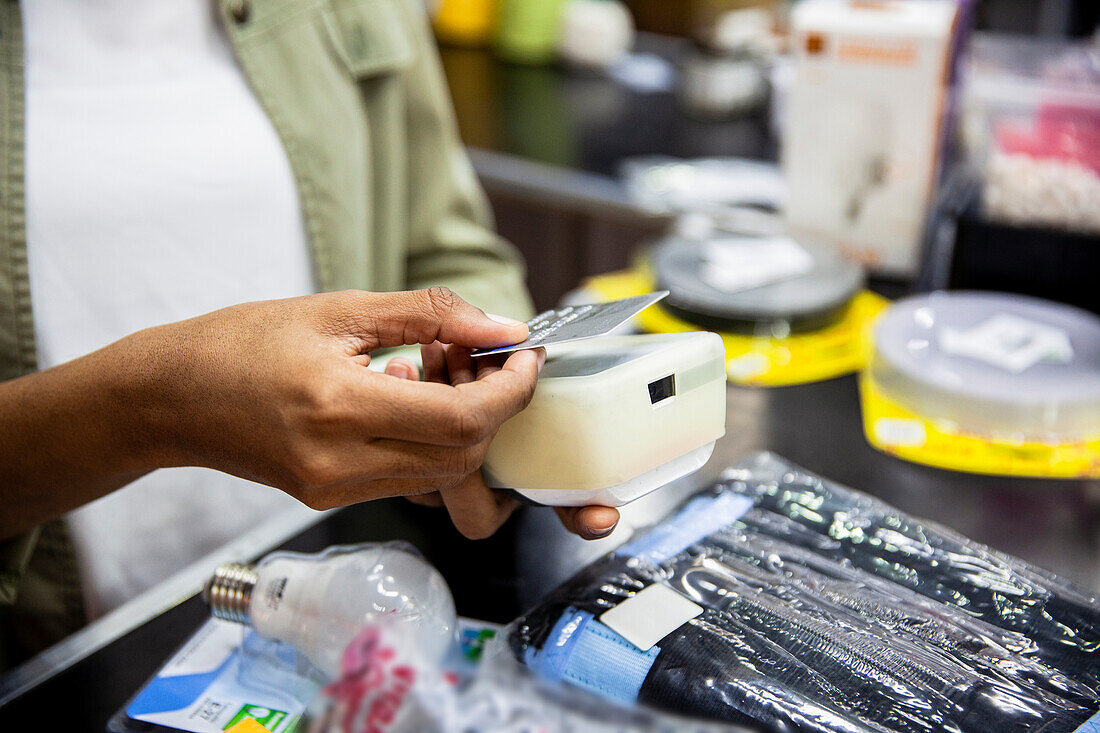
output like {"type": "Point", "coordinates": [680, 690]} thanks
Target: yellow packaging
{"type": "Point", "coordinates": [465, 22]}
{"type": "Point", "coordinates": [892, 428]}
{"type": "Point", "coordinates": [248, 725]}
{"type": "Point", "coordinates": [991, 383]}
{"type": "Point", "coordinates": [765, 360]}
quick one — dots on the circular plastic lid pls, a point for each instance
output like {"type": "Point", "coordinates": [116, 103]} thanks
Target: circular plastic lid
{"type": "Point", "coordinates": [733, 281]}
{"type": "Point", "coordinates": [992, 363]}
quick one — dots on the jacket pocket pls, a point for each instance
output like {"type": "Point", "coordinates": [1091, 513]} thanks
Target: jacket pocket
{"type": "Point", "coordinates": [369, 37]}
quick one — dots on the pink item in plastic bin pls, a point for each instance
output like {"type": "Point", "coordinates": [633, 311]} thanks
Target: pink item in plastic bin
{"type": "Point", "coordinates": [1061, 132]}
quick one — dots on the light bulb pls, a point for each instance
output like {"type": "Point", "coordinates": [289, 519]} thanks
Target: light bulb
{"type": "Point", "coordinates": [320, 602]}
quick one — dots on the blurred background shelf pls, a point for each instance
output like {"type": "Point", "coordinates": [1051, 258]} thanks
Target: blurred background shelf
{"type": "Point", "coordinates": [547, 144]}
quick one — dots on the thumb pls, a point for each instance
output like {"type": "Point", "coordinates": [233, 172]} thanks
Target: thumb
{"type": "Point", "coordinates": [435, 314]}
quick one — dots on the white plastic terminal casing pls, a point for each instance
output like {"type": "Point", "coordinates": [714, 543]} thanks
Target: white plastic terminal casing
{"type": "Point", "coordinates": [613, 419]}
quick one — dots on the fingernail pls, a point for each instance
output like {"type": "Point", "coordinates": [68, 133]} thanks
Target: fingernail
{"type": "Point", "coordinates": [591, 533]}
{"type": "Point", "coordinates": [505, 320]}
{"type": "Point", "coordinates": [542, 363]}
{"type": "Point", "coordinates": [397, 369]}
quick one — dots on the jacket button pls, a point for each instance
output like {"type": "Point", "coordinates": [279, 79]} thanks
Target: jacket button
{"type": "Point", "coordinates": [241, 10]}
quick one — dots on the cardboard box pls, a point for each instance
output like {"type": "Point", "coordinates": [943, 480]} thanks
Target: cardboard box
{"type": "Point", "coordinates": [862, 138]}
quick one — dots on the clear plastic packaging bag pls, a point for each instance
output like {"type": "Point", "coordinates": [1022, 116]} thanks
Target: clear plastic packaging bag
{"type": "Point", "coordinates": [380, 621]}
{"type": "Point", "coordinates": [824, 609]}
{"type": "Point", "coordinates": [387, 685]}
{"type": "Point", "coordinates": [319, 602]}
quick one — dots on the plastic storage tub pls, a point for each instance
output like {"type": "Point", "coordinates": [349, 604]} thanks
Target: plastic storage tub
{"type": "Point", "coordinates": [1031, 121]}
{"type": "Point", "coordinates": [988, 383]}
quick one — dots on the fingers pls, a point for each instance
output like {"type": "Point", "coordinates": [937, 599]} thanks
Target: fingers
{"type": "Point", "coordinates": [476, 510]}
{"type": "Point", "coordinates": [505, 392]}
{"type": "Point", "coordinates": [434, 370]}
{"type": "Point", "coordinates": [434, 359]}
{"type": "Point", "coordinates": [460, 365]}
{"type": "Point", "coordinates": [590, 522]}
{"type": "Point", "coordinates": [486, 365]}
{"type": "Point", "coordinates": [420, 317]}
{"type": "Point", "coordinates": [440, 414]}
{"type": "Point", "coordinates": [402, 368]}
{"type": "Point", "coordinates": [451, 364]}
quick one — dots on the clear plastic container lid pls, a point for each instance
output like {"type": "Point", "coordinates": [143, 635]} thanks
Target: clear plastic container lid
{"type": "Point", "coordinates": [993, 364]}
{"type": "Point", "coordinates": [729, 278]}
{"type": "Point", "coordinates": [1024, 69]}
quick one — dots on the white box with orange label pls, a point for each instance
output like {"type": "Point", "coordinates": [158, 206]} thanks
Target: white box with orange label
{"type": "Point", "coordinates": [862, 134]}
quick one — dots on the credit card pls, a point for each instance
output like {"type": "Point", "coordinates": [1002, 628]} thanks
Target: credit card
{"type": "Point", "coordinates": [577, 322]}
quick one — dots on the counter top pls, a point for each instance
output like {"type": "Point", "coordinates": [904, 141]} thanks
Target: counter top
{"type": "Point", "coordinates": [1051, 523]}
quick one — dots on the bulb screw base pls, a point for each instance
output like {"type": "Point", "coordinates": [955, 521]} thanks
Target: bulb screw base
{"type": "Point", "coordinates": [228, 592]}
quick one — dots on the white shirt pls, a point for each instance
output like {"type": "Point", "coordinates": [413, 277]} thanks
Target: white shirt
{"type": "Point", "coordinates": [156, 190]}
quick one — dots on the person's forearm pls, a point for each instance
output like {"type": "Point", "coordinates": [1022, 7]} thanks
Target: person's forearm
{"type": "Point", "coordinates": [73, 433]}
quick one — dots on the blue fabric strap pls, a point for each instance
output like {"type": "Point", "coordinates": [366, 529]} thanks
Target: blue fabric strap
{"type": "Point", "coordinates": [700, 517]}
{"type": "Point", "coordinates": [589, 655]}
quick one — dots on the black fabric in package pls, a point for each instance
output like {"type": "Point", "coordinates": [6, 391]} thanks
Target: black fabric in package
{"type": "Point", "coordinates": [824, 609]}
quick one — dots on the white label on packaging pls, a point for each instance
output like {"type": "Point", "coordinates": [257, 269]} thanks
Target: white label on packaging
{"type": "Point", "coordinates": [735, 264]}
{"type": "Point", "coordinates": [899, 432]}
{"type": "Point", "coordinates": [1012, 343]}
{"type": "Point", "coordinates": [650, 615]}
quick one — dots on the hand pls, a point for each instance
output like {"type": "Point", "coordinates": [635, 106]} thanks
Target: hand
{"type": "Point", "coordinates": [279, 392]}
{"type": "Point", "coordinates": [473, 500]}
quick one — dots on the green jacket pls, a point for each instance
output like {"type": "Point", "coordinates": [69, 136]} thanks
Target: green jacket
{"type": "Point", "coordinates": [355, 91]}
